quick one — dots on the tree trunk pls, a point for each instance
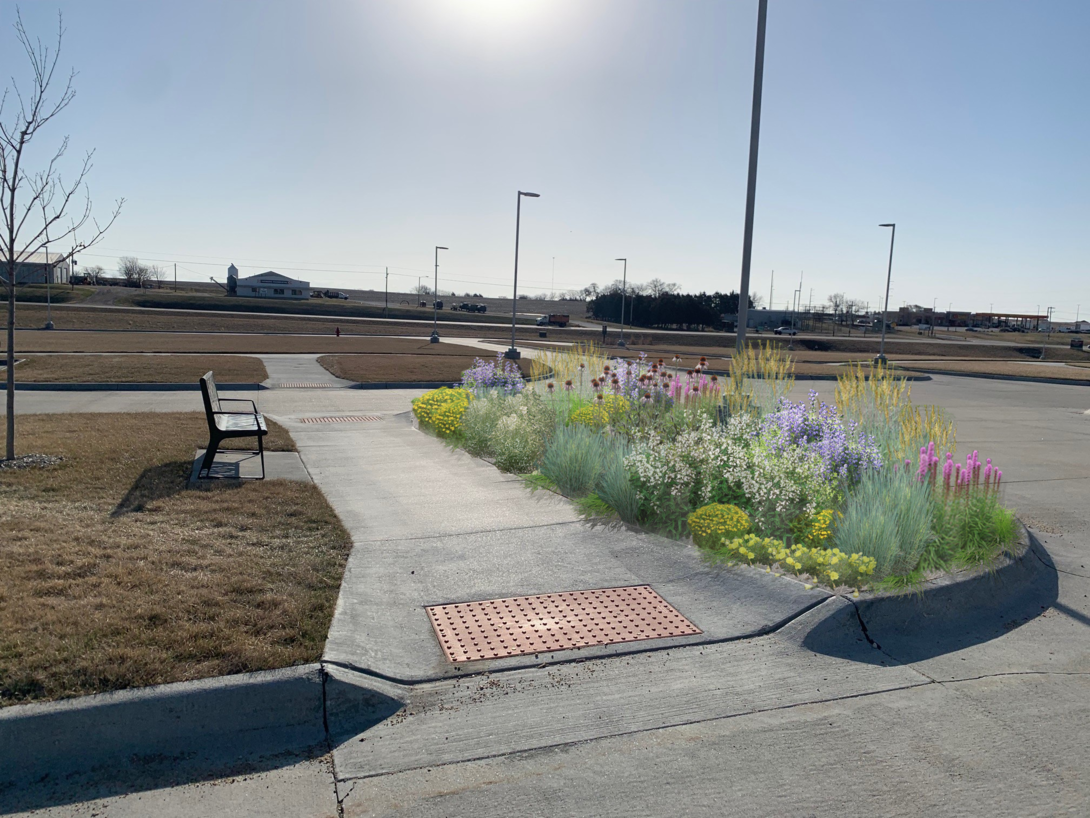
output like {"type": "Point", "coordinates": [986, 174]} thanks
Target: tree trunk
{"type": "Point", "coordinates": [10, 443]}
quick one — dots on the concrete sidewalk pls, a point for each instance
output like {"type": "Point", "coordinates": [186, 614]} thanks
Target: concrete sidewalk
{"type": "Point", "coordinates": [431, 525]}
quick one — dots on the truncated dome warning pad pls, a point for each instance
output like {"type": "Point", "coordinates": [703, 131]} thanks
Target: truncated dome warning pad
{"type": "Point", "coordinates": [496, 628]}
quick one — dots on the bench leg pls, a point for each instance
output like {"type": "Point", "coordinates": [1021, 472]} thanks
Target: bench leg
{"type": "Point", "coordinates": [209, 457]}
{"type": "Point", "coordinates": [261, 451]}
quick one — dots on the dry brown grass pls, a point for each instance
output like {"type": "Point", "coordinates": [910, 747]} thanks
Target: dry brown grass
{"type": "Point", "coordinates": [405, 368]}
{"type": "Point", "coordinates": [1070, 372]}
{"type": "Point", "coordinates": [115, 576]}
{"type": "Point", "coordinates": [139, 369]}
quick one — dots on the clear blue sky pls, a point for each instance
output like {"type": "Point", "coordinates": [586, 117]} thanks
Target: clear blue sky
{"type": "Point", "coordinates": [346, 136]}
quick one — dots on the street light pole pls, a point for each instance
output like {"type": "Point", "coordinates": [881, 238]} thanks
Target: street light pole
{"type": "Point", "coordinates": [435, 299]}
{"type": "Point", "coordinates": [881, 359]}
{"type": "Point", "coordinates": [48, 282]}
{"type": "Point", "coordinates": [624, 295]}
{"type": "Point", "coordinates": [513, 354]}
{"type": "Point", "coordinates": [751, 183]}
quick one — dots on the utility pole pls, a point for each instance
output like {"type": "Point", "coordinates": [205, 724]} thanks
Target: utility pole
{"type": "Point", "coordinates": [387, 307]}
{"type": "Point", "coordinates": [751, 180]}
{"type": "Point", "coordinates": [175, 276]}
{"type": "Point", "coordinates": [771, 284]}
{"type": "Point", "coordinates": [552, 281]}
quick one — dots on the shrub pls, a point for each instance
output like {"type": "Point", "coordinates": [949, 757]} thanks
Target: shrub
{"type": "Point", "coordinates": [600, 413]}
{"type": "Point", "coordinates": [828, 565]}
{"type": "Point", "coordinates": [814, 530]}
{"type": "Point", "coordinates": [614, 486]}
{"type": "Point", "coordinates": [887, 517]}
{"type": "Point", "coordinates": [712, 524]}
{"type": "Point", "coordinates": [442, 410]}
{"type": "Point", "coordinates": [502, 374]}
{"type": "Point", "coordinates": [479, 423]}
{"type": "Point", "coordinates": [518, 440]}
{"type": "Point", "coordinates": [573, 460]}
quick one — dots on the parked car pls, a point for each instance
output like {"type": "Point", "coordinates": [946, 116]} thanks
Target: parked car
{"type": "Point", "coordinates": [971, 329]}
{"type": "Point", "coordinates": [335, 294]}
{"type": "Point", "coordinates": [785, 331]}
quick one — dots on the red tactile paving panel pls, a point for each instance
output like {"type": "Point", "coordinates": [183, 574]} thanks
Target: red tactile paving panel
{"type": "Point", "coordinates": [519, 625]}
{"type": "Point", "coordinates": [304, 385]}
{"type": "Point", "coordinates": [341, 419]}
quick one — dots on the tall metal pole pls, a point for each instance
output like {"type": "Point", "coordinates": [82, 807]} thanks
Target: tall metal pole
{"type": "Point", "coordinates": [435, 299]}
{"type": "Point", "coordinates": [513, 353]}
{"type": "Point", "coordinates": [175, 276]}
{"type": "Point", "coordinates": [751, 184]}
{"type": "Point", "coordinates": [386, 309]}
{"type": "Point", "coordinates": [48, 282]}
{"type": "Point", "coordinates": [881, 359]}
{"type": "Point", "coordinates": [624, 296]}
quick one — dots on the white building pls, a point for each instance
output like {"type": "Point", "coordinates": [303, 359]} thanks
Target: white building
{"type": "Point", "coordinates": [38, 268]}
{"type": "Point", "coordinates": [272, 285]}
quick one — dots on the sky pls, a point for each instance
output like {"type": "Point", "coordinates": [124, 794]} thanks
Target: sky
{"type": "Point", "coordinates": [330, 140]}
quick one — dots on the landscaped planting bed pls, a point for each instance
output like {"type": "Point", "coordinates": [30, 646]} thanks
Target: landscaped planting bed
{"type": "Point", "coordinates": [860, 493]}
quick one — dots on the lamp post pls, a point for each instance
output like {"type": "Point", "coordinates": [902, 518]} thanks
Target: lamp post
{"type": "Point", "coordinates": [881, 359]}
{"type": "Point", "coordinates": [435, 299]}
{"type": "Point", "coordinates": [624, 295]}
{"type": "Point", "coordinates": [513, 354]}
{"type": "Point", "coordinates": [751, 183]}
{"type": "Point", "coordinates": [48, 282]}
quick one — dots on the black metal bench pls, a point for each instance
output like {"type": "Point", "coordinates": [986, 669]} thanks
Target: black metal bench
{"type": "Point", "coordinates": [223, 425]}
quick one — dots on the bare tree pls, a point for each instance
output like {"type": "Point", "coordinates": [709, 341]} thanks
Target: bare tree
{"type": "Point", "coordinates": [95, 273]}
{"type": "Point", "coordinates": [156, 275]}
{"type": "Point", "coordinates": [27, 196]}
{"type": "Point", "coordinates": [134, 271]}
{"type": "Point", "coordinates": [836, 302]}
{"type": "Point", "coordinates": [421, 289]}
{"type": "Point", "coordinates": [657, 287]}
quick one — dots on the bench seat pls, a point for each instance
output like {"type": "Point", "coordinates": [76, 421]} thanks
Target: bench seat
{"type": "Point", "coordinates": [224, 425]}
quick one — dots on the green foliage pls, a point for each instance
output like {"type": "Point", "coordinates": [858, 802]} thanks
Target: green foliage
{"type": "Point", "coordinates": [828, 565]}
{"type": "Point", "coordinates": [614, 485]}
{"type": "Point", "coordinates": [887, 517]}
{"type": "Point", "coordinates": [513, 430]}
{"type": "Point", "coordinates": [441, 410]}
{"type": "Point", "coordinates": [593, 506]}
{"type": "Point", "coordinates": [970, 527]}
{"type": "Point", "coordinates": [712, 524]}
{"type": "Point", "coordinates": [573, 460]}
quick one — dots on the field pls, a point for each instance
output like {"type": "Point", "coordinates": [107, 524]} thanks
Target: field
{"type": "Point", "coordinates": [138, 369]}
{"type": "Point", "coordinates": [40, 294]}
{"type": "Point", "coordinates": [316, 306]}
{"type": "Point", "coordinates": [116, 576]}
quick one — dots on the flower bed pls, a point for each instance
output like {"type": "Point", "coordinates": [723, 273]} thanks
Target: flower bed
{"type": "Point", "coordinates": [849, 494]}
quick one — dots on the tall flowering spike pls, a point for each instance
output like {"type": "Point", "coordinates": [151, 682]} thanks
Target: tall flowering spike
{"type": "Point", "coordinates": [998, 476]}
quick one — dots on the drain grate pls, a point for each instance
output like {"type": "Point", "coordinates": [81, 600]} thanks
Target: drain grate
{"type": "Point", "coordinates": [516, 626]}
{"type": "Point", "coordinates": [341, 419]}
{"type": "Point", "coordinates": [303, 385]}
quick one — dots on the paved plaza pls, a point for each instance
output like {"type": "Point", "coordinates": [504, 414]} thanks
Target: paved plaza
{"type": "Point", "coordinates": [787, 703]}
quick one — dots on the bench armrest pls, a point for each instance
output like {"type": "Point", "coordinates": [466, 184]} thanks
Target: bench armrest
{"type": "Point", "coordinates": [238, 400]}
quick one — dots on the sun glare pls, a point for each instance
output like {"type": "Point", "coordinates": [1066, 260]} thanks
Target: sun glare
{"type": "Point", "coordinates": [494, 15]}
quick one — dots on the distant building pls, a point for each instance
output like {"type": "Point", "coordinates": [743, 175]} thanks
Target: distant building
{"type": "Point", "coordinates": [272, 285]}
{"type": "Point", "coordinates": [38, 268]}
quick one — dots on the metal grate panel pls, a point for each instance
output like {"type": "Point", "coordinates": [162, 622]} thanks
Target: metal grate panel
{"type": "Point", "coordinates": [516, 626]}
{"type": "Point", "coordinates": [341, 419]}
{"type": "Point", "coordinates": [303, 385]}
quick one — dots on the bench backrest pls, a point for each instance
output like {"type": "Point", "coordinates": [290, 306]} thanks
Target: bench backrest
{"type": "Point", "coordinates": [211, 398]}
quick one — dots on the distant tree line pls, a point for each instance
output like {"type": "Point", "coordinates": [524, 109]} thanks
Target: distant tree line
{"type": "Point", "coordinates": [663, 307]}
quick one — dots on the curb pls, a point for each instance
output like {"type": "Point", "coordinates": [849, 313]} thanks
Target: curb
{"type": "Point", "coordinates": [106, 744]}
{"type": "Point", "coordinates": [132, 387]}
{"type": "Point", "coordinates": [404, 385]}
{"type": "Point", "coordinates": [1018, 378]}
{"type": "Point", "coordinates": [186, 728]}
{"type": "Point", "coordinates": [951, 612]}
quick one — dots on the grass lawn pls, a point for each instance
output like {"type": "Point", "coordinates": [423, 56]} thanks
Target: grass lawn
{"type": "Point", "coordinates": [1009, 368]}
{"type": "Point", "coordinates": [38, 294]}
{"type": "Point", "coordinates": [316, 306]}
{"type": "Point", "coordinates": [139, 369]}
{"type": "Point", "coordinates": [407, 367]}
{"type": "Point", "coordinates": [116, 576]}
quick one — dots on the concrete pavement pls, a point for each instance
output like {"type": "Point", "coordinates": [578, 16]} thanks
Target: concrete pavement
{"type": "Point", "coordinates": [812, 719]}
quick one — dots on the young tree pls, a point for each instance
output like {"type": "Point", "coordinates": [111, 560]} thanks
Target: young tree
{"type": "Point", "coordinates": [95, 273]}
{"type": "Point", "coordinates": [34, 204]}
{"type": "Point", "coordinates": [421, 289]}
